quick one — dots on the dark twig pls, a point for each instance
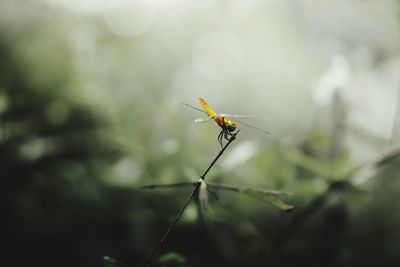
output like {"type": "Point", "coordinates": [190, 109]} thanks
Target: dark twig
{"type": "Point", "coordinates": [182, 184]}
{"type": "Point", "coordinates": [213, 194]}
{"type": "Point", "coordinates": [211, 186]}
{"type": "Point", "coordinates": [195, 190]}
{"type": "Point", "coordinates": [241, 189]}
{"type": "Point", "coordinates": [220, 154]}
{"type": "Point", "coordinates": [219, 186]}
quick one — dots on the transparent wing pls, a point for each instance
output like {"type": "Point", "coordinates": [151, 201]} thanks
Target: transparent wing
{"type": "Point", "coordinates": [223, 115]}
{"type": "Point", "coordinates": [203, 119]}
{"type": "Point", "coordinates": [190, 106]}
{"type": "Point", "coordinates": [236, 116]}
{"type": "Point", "coordinates": [251, 126]}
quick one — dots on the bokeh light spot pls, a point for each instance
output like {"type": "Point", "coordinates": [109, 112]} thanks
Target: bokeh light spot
{"type": "Point", "coordinates": [130, 20]}
{"type": "Point", "coordinates": [36, 148]}
{"type": "Point", "coordinates": [170, 146]}
{"type": "Point", "coordinates": [218, 56]}
{"type": "Point", "coordinates": [125, 172]}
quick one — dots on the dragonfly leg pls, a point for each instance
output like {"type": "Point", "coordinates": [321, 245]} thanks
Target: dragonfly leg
{"type": "Point", "coordinates": [227, 134]}
{"type": "Point", "coordinates": [220, 136]}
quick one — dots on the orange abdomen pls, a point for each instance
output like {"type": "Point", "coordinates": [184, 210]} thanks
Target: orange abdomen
{"type": "Point", "coordinates": [220, 121]}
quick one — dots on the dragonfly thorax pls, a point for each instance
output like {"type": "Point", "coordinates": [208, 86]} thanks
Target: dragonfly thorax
{"type": "Point", "coordinates": [231, 126]}
{"type": "Point", "coordinates": [225, 123]}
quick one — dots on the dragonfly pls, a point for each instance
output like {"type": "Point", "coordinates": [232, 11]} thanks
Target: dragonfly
{"type": "Point", "coordinates": [226, 121]}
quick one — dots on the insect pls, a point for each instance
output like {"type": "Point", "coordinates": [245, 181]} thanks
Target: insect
{"type": "Point", "coordinates": [226, 121]}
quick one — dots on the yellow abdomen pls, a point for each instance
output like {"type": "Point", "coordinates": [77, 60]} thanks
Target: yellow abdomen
{"type": "Point", "coordinates": [223, 122]}
{"type": "Point", "coordinates": [207, 108]}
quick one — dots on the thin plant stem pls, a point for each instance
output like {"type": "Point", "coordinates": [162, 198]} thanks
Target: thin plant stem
{"type": "Point", "coordinates": [194, 191]}
{"type": "Point", "coordinates": [219, 154]}
{"type": "Point", "coordinates": [172, 226]}
{"type": "Point", "coordinates": [218, 186]}
{"type": "Point", "coordinates": [152, 186]}
{"type": "Point", "coordinates": [241, 189]}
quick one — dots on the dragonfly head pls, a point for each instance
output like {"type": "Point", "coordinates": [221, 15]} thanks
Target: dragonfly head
{"type": "Point", "coordinates": [230, 125]}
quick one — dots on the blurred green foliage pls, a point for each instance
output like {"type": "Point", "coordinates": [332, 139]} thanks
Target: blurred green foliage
{"type": "Point", "coordinates": [172, 257]}
{"type": "Point", "coordinates": [69, 191]}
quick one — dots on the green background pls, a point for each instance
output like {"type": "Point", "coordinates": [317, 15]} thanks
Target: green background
{"type": "Point", "coordinates": [90, 95]}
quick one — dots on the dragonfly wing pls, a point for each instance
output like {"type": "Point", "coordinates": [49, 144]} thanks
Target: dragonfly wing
{"type": "Point", "coordinates": [237, 116]}
{"type": "Point", "coordinates": [190, 106]}
{"type": "Point", "coordinates": [212, 114]}
{"type": "Point", "coordinates": [202, 119]}
{"type": "Point", "coordinates": [251, 126]}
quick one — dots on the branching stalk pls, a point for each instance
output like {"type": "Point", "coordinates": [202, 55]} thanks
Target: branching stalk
{"type": "Point", "coordinates": [194, 191]}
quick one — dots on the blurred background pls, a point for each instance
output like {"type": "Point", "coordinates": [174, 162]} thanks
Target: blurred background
{"type": "Point", "coordinates": [90, 110]}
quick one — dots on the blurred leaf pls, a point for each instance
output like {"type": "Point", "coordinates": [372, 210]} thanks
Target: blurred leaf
{"type": "Point", "coordinates": [172, 257]}
{"type": "Point", "coordinates": [111, 262]}
{"type": "Point", "coordinates": [389, 157]}
{"type": "Point", "coordinates": [341, 166]}
{"type": "Point", "coordinates": [319, 142]}
{"type": "Point", "coordinates": [340, 163]}
{"type": "Point", "coordinates": [315, 166]}
{"type": "Point", "coordinates": [270, 197]}
{"type": "Point", "coordinates": [352, 171]}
